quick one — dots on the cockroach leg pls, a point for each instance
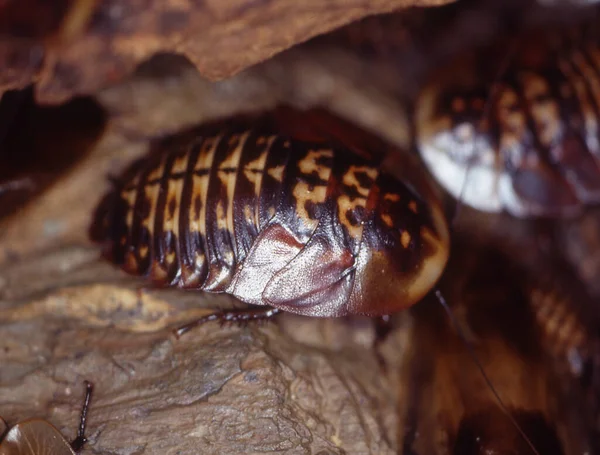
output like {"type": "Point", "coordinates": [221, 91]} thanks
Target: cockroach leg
{"type": "Point", "coordinates": [80, 440]}
{"type": "Point", "coordinates": [237, 316]}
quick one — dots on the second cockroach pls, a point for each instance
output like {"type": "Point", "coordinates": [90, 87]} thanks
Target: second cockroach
{"type": "Point", "coordinates": [515, 126]}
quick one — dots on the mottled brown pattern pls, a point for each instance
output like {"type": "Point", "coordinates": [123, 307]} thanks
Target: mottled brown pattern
{"type": "Point", "coordinates": [524, 116]}
{"type": "Point", "coordinates": [276, 209]}
{"type": "Point", "coordinates": [524, 333]}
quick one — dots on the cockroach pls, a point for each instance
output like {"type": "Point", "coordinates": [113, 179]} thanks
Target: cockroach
{"type": "Point", "coordinates": [448, 406]}
{"type": "Point", "coordinates": [38, 437]}
{"type": "Point", "coordinates": [515, 126]}
{"type": "Point", "coordinates": [287, 210]}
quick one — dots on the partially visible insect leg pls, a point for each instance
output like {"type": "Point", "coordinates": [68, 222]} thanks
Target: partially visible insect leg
{"type": "Point", "coordinates": [80, 440]}
{"type": "Point", "coordinates": [235, 316]}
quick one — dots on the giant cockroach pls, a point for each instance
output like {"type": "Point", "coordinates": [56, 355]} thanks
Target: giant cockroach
{"type": "Point", "coordinates": [287, 210]}
{"type": "Point", "coordinates": [39, 437]}
{"type": "Point", "coordinates": [522, 333]}
{"type": "Point", "coordinates": [515, 125]}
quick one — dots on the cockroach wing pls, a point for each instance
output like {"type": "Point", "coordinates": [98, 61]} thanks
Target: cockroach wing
{"type": "Point", "coordinates": [272, 249]}
{"type": "Point", "coordinates": [35, 437]}
{"type": "Point", "coordinates": [318, 281]}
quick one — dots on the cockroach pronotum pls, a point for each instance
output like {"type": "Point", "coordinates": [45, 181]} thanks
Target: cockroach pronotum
{"type": "Point", "coordinates": [39, 437]}
{"type": "Point", "coordinates": [288, 210]}
{"type": "Point", "coordinates": [515, 126]}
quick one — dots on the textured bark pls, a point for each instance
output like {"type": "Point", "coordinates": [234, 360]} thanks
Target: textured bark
{"type": "Point", "coordinates": [83, 45]}
{"type": "Point", "coordinates": [228, 390]}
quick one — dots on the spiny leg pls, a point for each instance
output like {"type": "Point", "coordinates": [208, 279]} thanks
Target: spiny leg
{"type": "Point", "coordinates": [80, 440]}
{"type": "Point", "coordinates": [239, 316]}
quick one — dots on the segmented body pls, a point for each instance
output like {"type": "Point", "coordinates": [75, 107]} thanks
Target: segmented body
{"type": "Point", "coordinates": [276, 210]}
{"type": "Point", "coordinates": [523, 117]}
{"type": "Point", "coordinates": [536, 346]}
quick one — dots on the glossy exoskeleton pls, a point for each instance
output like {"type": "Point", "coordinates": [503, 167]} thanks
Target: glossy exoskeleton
{"type": "Point", "coordinates": [538, 349]}
{"type": "Point", "coordinates": [39, 437]}
{"type": "Point", "coordinates": [515, 126]}
{"type": "Point", "coordinates": [290, 210]}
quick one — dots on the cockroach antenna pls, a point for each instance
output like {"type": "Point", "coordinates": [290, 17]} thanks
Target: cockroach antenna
{"type": "Point", "coordinates": [38, 437]}
{"type": "Point", "coordinates": [486, 378]}
{"type": "Point", "coordinates": [80, 440]}
{"type": "Point", "coordinates": [459, 203]}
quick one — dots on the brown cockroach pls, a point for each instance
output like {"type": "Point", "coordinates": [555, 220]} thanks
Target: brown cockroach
{"type": "Point", "coordinates": [39, 437]}
{"type": "Point", "coordinates": [448, 407]}
{"type": "Point", "coordinates": [515, 125]}
{"type": "Point", "coordinates": [288, 210]}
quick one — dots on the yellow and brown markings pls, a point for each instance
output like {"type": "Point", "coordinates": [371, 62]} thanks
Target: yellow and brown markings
{"type": "Point", "coordinates": [568, 330]}
{"type": "Point", "coordinates": [403, 249]}
{"type": "Point", "coordinates": [225, 204]}
{"type": "Point", "coordinates": [272, 185]}
{"type": "Point", "coordinates": [309, 189]}
{"type": "Point", "coordinates": [193, 217]}
{"type": "Point", "coordinates": [220, 187]}
{"type": "Point", "coordinates": [193, 268]}
{"type": "Point", "coordinates": [138, 254]}
{"type": "Point", "coordinates": [166, 262]}
{"type": "Point", "coordinates": [128, 195]}
{"type": "Point", "coordinates": [235, 202]}
{"type": "Point", "coordinates": [228, 174]}
{"type": "Point", "coordinates": [560, 326]}
{"type": "Point", "coordinates": [555, 121]}
{"type": "Point", "coordinates": [543, 121]}
{"type": "Point", "coordinates": [357, 181]}
{"type": "Point", "coordinates": [246, 200]}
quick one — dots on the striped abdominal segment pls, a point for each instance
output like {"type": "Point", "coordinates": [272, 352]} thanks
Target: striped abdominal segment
{"type": "Point", "coordinates": [521, 138]}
